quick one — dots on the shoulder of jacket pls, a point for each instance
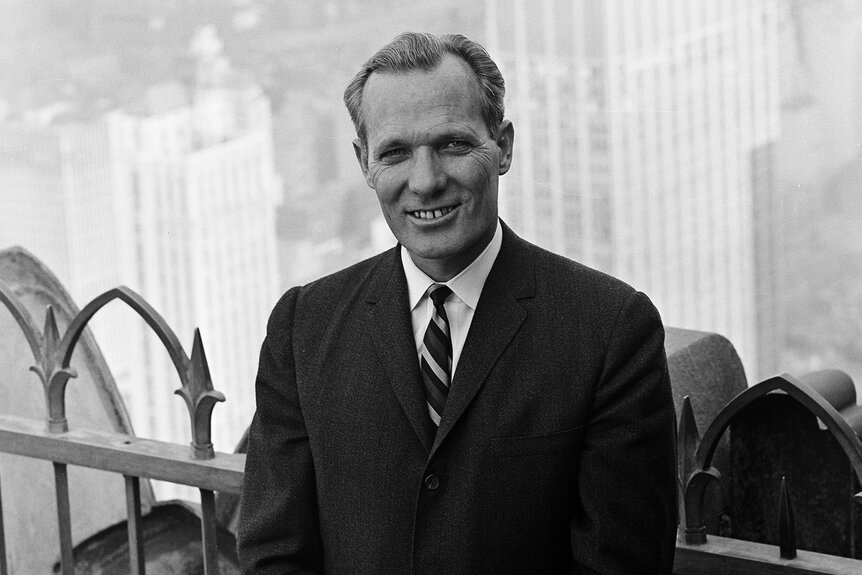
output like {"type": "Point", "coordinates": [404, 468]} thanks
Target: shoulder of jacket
{"type": "Point", "coordinates": [560, 273]}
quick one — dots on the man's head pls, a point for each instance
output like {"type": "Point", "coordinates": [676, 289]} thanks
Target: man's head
{"type": "Point", "coordinates": [414, 51]}
{"type": "Point", "coordinates": [432, 144]}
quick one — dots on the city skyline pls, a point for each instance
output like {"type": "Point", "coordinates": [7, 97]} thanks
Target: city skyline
{"type": "Point", "coordinates": [675, 114]}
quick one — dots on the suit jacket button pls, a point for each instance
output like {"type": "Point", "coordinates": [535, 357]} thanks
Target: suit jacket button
{"type": "Point", "coordinates": [432, 482]}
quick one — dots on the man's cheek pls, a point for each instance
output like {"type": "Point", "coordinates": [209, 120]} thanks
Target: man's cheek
{"type": "Point", "coordinates": [484, 159]}
{"type": "Point", "coordinates": [373, 175]}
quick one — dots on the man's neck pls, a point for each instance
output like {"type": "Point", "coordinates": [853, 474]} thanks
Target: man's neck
{"type": "Point", "coordinates": [443, 269]}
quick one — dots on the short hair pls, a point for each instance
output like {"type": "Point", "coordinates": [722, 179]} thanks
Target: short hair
{"type": "Point", "coordinates": [423, 51]}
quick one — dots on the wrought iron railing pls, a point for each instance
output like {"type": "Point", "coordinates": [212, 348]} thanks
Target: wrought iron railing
{"type": "Point", "coordinates": [699, 554]}
{"type": "Point", "coordinates": [53, 439]}
{"type": "Point", "coordinates": [135, 458]}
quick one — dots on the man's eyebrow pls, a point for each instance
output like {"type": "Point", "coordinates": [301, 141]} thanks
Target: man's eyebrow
{"type": "Point", "coordinates": [458, 132]}
{"type": "Point", "coordinates": [388, 142]}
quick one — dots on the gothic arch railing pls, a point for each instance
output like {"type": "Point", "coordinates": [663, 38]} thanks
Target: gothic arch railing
{"type": "Point", "coordinates": [196, 390]}
{"type": "Point", "coordinates": [52, 355]}
{"type": "Point", "coordinates": [696, 468]}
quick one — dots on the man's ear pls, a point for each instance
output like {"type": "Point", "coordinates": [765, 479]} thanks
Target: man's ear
{"type": "Point", "coordinates": [361, 151]}
{"type": "Point", "coordinates": [506, 142]}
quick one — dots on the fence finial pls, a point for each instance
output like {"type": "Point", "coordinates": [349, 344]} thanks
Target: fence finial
{"type": "Point", "coordinates": [688, 439]}
{"type": "Point", "coordinates": [53, 375]}
{"type": "Point", "coordinates": [200, 398]}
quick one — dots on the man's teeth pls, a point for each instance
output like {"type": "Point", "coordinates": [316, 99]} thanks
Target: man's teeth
{"type": "Point", "coordinates": [431, 214]}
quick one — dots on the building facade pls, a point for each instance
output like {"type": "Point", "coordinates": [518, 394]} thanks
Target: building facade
{"type": "Point", "coordinates": [644, 147]}
{"type": "Point", "coordinates": [174, 195]}
{"type": "Point", "coordinates": [197, 200]}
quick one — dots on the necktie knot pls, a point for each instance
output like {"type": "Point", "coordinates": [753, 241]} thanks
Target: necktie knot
{"type": "Point", "coordinates": [438, 294]}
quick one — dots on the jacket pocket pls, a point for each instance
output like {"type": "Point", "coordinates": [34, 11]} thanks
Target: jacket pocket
{"type": "Point", "coordinates": [536, 444]}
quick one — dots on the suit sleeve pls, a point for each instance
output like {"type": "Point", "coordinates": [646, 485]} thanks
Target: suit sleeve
{"type": "Point", "coordinates": [627, 481]}
{"type": "Point", "coordinates": [278, 522]}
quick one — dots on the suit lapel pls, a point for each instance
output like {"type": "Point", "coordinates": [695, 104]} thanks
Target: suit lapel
{"type": "Point", "coordinates": [498, 318]}
{"type": "Point", "coordinates": [392, 332]}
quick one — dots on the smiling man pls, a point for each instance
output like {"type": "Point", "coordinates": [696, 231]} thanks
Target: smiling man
{"type": "Point", "coordinates": [465, 402]}
{"type": "Point", "coordinates": [434, 162]}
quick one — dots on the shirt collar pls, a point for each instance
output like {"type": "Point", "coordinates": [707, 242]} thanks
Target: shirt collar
{"type": "Point", "coordinates": [467, 285]}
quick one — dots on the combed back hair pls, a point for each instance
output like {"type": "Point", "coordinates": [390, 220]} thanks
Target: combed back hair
{"type": "Point", "coordinates": [422, 51]}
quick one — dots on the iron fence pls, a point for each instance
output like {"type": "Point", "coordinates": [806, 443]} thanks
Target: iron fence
{"type": "Point", "coordinates": [198, 465]}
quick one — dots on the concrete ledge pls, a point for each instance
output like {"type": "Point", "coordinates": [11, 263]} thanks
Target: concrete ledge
{"type": "Point", "coordinates": [706, 367]}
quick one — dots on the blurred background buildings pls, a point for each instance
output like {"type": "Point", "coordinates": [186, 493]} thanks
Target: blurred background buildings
{"type": "Point", "coordinates": [645, 139]}
{"type": "Point", "coordinates": [707, 152]}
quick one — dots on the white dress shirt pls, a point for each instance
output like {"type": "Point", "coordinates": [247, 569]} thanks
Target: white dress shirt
{"type": "Point", "coordinates": [460, 306]}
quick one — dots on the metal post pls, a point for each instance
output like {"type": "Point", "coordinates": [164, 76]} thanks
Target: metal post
{"type": "Point", "coordinates": [786, 522]}
{"type": "Point", "coordinates": [208, 532]}
{"type": "Point", "coordinates": [64, 518]}
{"type": "Point", "coordinates": [133, 514]}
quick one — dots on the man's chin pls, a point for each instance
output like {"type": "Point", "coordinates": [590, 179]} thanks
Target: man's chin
{"type": "Point", "coordinates": [432, 254]}
{"type": "Point", "coordinates": [442, 250]}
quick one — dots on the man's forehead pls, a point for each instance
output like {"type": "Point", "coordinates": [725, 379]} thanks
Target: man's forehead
{"type": "Point", "coordinates": [449, 83]}
{"type": "Point", "coordinates": [449, 65]}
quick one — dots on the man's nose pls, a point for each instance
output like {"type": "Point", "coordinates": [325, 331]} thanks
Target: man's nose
{"type": "Point", "coordinates": [427, 175]}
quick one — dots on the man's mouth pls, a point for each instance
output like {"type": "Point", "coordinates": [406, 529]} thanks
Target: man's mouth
{"type": "Point", "coordinates": [432, 214]}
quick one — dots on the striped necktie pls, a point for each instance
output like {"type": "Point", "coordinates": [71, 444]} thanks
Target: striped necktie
{"type": "Point", "coordinates": [436, 357]}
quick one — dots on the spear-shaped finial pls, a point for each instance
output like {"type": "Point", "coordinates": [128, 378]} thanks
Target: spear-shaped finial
{"type": "Point", "coordinates": [786, 523]}
{"type": "Point", "coordinates": [200, 398]}
{"type": "Point", "coordinates": [688, 438]}
{"type": "Point", "coordinates": [51, 333]}
{"type": "Point", "coordinates": [54, 377]}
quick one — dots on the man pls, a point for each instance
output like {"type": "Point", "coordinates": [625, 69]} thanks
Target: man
{"type": "Point", "coordinates": [464, 402]}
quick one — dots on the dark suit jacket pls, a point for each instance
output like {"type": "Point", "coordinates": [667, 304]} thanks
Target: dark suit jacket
{"type": "Point", "coordinates": [555, 453]}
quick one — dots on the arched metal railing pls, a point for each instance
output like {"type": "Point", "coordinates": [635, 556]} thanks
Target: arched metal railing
{"type": "Point", "coordinates": [696, 473]}
{"type": "Point", "coordinates": [52, 355]}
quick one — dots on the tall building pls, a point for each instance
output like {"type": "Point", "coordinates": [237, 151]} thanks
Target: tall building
{"type": "Point", "coordinates": [196, 214]}
{"type": "Point", "coordinates": [55, 189]}
{"type": "Point", "coordinates": [644, 147]}
{"type": "Point", "coordinates": [175, 196]}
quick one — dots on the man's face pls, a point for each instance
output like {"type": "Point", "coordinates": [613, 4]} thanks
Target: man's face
{"type": "Point", "coordinates": [433, 163]}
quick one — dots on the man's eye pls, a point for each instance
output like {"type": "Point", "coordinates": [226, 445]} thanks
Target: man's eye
{"type": "Point", "coordinates": [457, 146]}
{"type": "Point", "coordinates": [393, 154]}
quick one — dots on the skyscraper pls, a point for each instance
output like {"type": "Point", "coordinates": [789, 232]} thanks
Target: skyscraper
{"type": "Point", "coordinates": [55, 189]}
{"type": "Point", "coordinates": [644, 138]}
{"type": "Point", "coordinates": [196, 216]}
{"type": "Point", "coordinates": [173, 194]}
